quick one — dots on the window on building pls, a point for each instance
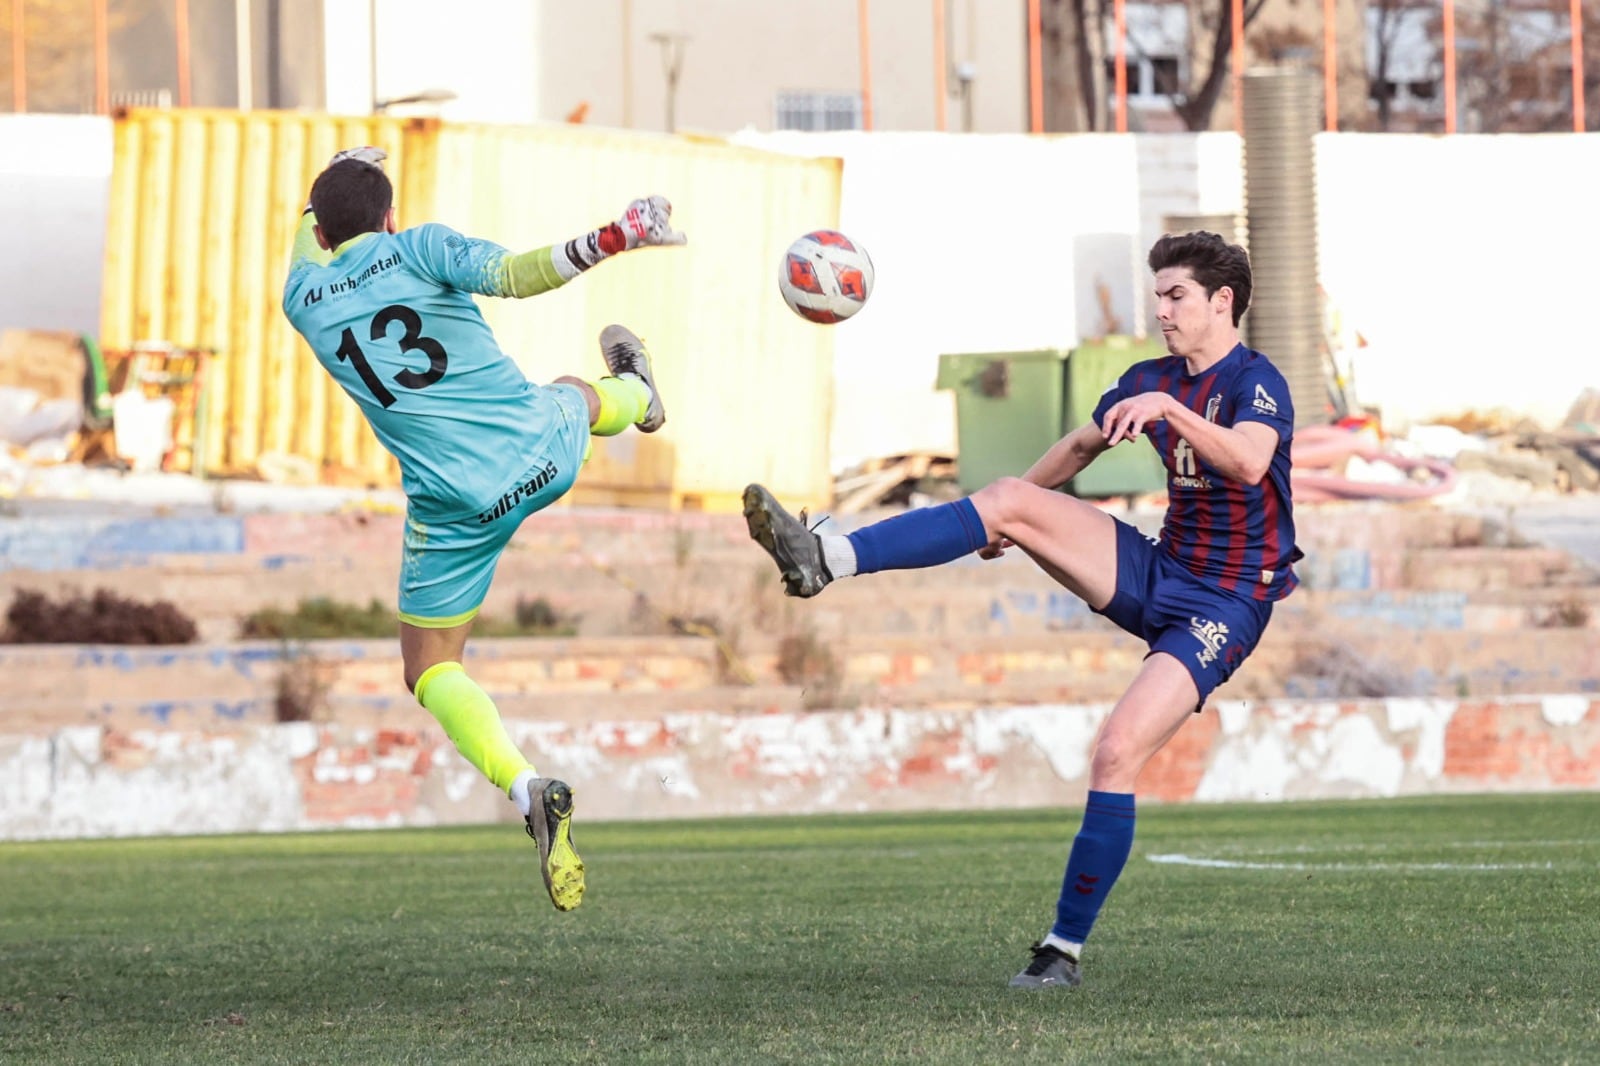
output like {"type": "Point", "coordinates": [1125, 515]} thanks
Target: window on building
{"type": "Point", "coordinates": [142, 98]}
{"type": "Point", "coordinates": [817, 112]}
{"type": "Point", "coordinates": [1150, 78]}
{"type": "Point", "coordinates": [1164, 75]}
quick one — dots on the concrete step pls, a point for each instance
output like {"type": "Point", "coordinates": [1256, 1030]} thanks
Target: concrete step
{"type": "Point", "coordinates": [1509, 589]}
{"type": "Point", "coordinates": [220, 686]}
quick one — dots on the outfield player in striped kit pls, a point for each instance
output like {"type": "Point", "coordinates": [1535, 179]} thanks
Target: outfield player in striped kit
{"type": "Point", "coordinates": [390, 315]}
{"type": "Point", "coordinates": [1200, 595]}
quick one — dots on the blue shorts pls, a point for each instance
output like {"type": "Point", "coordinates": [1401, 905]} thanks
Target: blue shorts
{"type": "Point", "coordinates": [1207, 630]}
{"type": "Point", "coordinates": [446, 567]}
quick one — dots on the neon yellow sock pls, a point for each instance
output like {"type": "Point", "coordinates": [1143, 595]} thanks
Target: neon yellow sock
{"type": "Point", "coordinates": [472, 722]}
{"type": "Point", "coordinates": [623, 401]}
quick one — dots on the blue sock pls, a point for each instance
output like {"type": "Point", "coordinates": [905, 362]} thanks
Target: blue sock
{"type": "Point", "coordinates": [927, 536]}
{"type": "Point", "coordinates": [1098, 856]}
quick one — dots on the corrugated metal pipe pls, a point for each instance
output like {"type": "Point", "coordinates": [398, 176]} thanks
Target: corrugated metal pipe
{"type": "Point", "coordinates": [1282, 114]}
{"type": "Point", "coordinates": [1225, 226]}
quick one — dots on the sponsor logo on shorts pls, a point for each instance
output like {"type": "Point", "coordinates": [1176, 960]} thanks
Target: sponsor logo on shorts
{"type": "Point", "coordinates": [1264, 401]}
{"type": "Point", "coordinates": [522, 492]}
{"type": "Point", "coordinates": [1211, 635]}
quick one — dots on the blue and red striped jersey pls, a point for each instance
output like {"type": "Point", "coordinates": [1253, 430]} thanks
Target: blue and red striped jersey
{"type": "Point", "coordinates": [1239, 537]}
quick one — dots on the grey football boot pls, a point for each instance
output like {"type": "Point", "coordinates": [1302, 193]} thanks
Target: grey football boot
{"type": "Point", "coordinates": [625, 354]}
{"type": "Point", "coordinates": [550, 825]}
{"type": "Point", "coordinates": [796, 550]}
{"type": "Point", "coordinates": [1050, 968]}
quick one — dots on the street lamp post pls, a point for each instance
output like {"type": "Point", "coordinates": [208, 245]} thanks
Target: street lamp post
{"type": "Point", "coordinates": [672, 66]}
{"type": "Point", "coordinates": [426, 96]}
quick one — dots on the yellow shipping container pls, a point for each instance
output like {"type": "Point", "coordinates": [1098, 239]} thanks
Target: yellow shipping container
{"type": "Point", "coordinates": [203, 209]}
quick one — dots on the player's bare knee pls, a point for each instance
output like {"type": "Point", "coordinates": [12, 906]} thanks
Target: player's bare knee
{"type": "Point", "coordinates": [1002, 503]}
{"type": "Point", "coordinates": [412, 670]}
{"type": "Point", "coordinates": [1116, 762]}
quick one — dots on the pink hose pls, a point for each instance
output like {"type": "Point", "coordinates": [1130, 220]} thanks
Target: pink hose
{"type": "Point", "coordinates": [1318, 450]}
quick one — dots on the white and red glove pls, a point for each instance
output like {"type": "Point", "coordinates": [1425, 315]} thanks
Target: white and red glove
{"type": "Point", "coordinates": [368, 154]}
{"type": "Point", "coordinates": [647, 223]}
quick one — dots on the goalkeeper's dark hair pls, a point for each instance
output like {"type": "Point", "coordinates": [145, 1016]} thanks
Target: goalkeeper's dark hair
{"type": "Point", "coordinates": [1213, 262]}
{"type": "Point", "coordinates": [351, 198]}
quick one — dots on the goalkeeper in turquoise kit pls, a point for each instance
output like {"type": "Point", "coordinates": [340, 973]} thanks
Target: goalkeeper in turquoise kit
{"type": "Point", "coordinates": [390, 315]}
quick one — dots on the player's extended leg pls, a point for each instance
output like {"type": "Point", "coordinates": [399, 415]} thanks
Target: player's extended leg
{"type": "Point", "coordinates": [434, 671]}
{"type": "Point", "coordinates": [629, 397]}
{"type": "Point", "coordinates": [1162, 697]}
{"type": "Point", "coordinates": [1072, 541]}
{"type": "Point", "coordinates": [446, 569]}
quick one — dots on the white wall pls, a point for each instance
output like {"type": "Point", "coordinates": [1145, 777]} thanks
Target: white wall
{"type": "Point", "coordinates": [1456, 258]}
{"type": "Point", "coordinates": [1182, 174]}
{"type": "Point", "coordinates": [700, 762]}
{"type": "Point", "coordinates": [979, 244]}
{"type": "Point", "coordinates": [1464, 262]}
{"type": "Point", "coordinates": [55, 182]}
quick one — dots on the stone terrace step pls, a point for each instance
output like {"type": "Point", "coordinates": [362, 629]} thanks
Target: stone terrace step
{"type": "Point", "coordinates": [94, 539]}
{"type": "Point", "coordinates": [221, 686]}
{"type": "Point", "coordinates": [737, 585]}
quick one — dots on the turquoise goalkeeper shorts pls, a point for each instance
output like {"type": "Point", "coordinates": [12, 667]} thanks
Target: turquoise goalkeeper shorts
{"type": "Point", "coordinates": [446, 567]}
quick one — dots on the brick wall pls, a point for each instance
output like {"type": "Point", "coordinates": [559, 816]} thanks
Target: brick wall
{"type": "Point", "coordinates": [92, 781]}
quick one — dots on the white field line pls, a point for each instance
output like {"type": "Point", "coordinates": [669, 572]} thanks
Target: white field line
{"type": "Point", "coordinates": [1234, 864]}
{"type": "Point", "coordinates": [1405, 845]}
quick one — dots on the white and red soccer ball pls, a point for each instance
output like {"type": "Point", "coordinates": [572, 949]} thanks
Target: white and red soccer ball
{"type": "Point", "coordinates": [825, 277]}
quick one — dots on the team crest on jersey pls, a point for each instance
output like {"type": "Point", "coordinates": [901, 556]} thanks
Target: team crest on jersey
{"type": "Point", "coordinates": [458, 247]}
{"type": "Point", "coordinates": [1264, 401]}
{"type": "Point", "coordinates": [1211, 635]}
{"type": "Point", "coordinates": [1213, 407]}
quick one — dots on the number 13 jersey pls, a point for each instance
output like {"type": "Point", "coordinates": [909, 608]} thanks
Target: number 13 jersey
{"type": "Point", "coordinates": [392, 319]}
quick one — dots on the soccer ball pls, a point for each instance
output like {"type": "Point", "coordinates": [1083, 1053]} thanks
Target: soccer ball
{"type": "Point", "coordinates": [825, 276]}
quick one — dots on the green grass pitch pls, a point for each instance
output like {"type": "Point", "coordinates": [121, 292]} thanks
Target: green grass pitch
{"type": "Point", "coordinates": [1460, 929]}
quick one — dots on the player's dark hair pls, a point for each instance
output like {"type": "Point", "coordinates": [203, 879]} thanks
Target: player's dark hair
{"type": "Point", "coordinates": [351, 198]}
{"type": "Point", "coordinates": [1213, 262]}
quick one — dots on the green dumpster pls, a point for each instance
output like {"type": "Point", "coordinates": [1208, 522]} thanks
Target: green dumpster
{"type": "Point", "coordinates": [1132, 468]}
{"type": "Point", "coordinates": [1009, 407]}
{"type": "Point", "coordinates": [1012, 406]}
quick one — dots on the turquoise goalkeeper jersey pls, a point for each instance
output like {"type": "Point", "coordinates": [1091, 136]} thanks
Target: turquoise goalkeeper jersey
{"type": "Point", "coordinates": [392, 319]}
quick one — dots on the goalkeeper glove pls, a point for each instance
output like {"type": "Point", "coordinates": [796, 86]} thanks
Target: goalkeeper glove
{"type": "Point", "coordinates": [646, 223]}
{"type": "Point", "coordinates": [368, 154]}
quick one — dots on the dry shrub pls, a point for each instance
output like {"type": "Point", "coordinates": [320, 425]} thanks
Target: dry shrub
{"type": "Point", "coordinates": [1331, 669]}
{"type": "Point", "coordinates": [805, 660]}
{"type": "Point", "coordinates": [103, 618]}
{"type": "Point", "coordinates": [1570, 613]}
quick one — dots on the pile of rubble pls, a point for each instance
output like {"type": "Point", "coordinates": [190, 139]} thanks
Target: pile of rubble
{"type": "Point", "coordinates": [1474, 457]}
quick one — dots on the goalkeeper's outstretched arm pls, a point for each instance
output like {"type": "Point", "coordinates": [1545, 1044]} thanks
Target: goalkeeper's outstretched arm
{"type": "Point", "coordinates": [647, 222]}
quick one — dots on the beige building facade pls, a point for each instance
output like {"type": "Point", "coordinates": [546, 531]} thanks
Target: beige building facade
{"type": "Point", "coordinates": [721, 66]}
{"type": "Point", "coordinates": [716, 66]}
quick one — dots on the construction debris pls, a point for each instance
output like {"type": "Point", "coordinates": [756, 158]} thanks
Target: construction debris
{"type": "Point", "coordinates": [893, 481]}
